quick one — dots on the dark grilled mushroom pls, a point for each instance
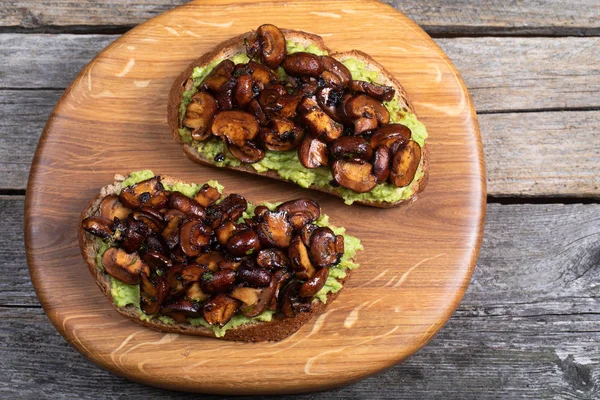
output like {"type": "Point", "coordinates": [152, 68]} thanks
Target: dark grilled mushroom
{"type": "Point", "coordinates": [193, 237]}
{"type": "Point", "coordinates": [351, 148]}
{"type": "Point", "coordinates": [153, 293]}
{"type": "Point", "coordinates": [275, 230]}
{"type": "Point", "coordinates": [306, 232]}
{"type": "Point", "coordinates": [181, 309]}
{"type": "Point", "coordinates": [354, 175]}
{"type": "Point", "coordinates": [300, 212]}
{"type": "Point", "coordinates": [366, 112]}
{"type": "Point", "coordinates": [224, 95]}
{"type": "Point", "coordinates": [272, 44]}
{"type": "Point", "coordinates": [218, 76]}
{"type": "Point", "coordinates": [314, 284]}
{"type": "Point", "coordinates": [134, 235]}
{"type": "Point", "coordinates": [154, 224]}
{"type": "Point", "coordinates": [282, 135]}
{"type": "Point", "coordinates": [255, 108]}
{"type": "Point", "coordinates": [319, 124]}
{"type": "Point", "coordinates": [272, 259]}
{"type": "Point", "coordinates": [234, 205]}
{"type": "Point", "coordinates": [149, 193]}
{"type": "Point", "coordinates": [174, 219]}
{"type": "Point", "coordinates": [111, 207]}
{"type": "Point", "coordinates": [190, 207]}
{"type": "Point", "coordinates": [313, 153]}
{"type": "Point", "coordinates": [254, 276]}
{"type": "Point", "coordinates": [124, 266]}
{"type": "Point", "coordinates": [243, 243]}
{"type": "Point", "coordinates": [391, 136]}
{"type": "Point", "coordinates": [323, 249]}
{"type": "Point", "coordinates": [300, 259]}
{"type": "Point", "coordinates": [243, 93]}
{"type": "Point", "coordinates": [381, 163]}
{"type": "Point", "coordinates": [211, 260]}
{"type": "Point", "coordinates": [334, 72]}
{"type": "Point", "coordinates": [218, 282]}
{"type": "Point", "coordinates": [291, 302]}
{"type": "Point", "coordinates": [225, 231]}
{"type": "Point", "coordinates": [219, 309]}
{"type": "Point", "coordinates": [261, 75]}
{"type": "Point", "coordinates": [98, 226]}
{"type": "Point", "coordinates": [199, 115]}
{"type": "Point", "coordinates": [174, 280]}
{"type": "Point", "coordinates": [157, 262]}
{"type": "Point", "coordinates": [379, 92]}
{"type": "Point", "coordinates": [302, 64]}
{"type": "Point", "coordinates": [248, 153]}
{"type": "Point", "coordinates": [207, 195]}
{"type": "Point", "coordinates": [329, 99]}
{"type": "Point", "coordinates": [405, 164]}
{"type": "Point", "coordinates": [237, 127]}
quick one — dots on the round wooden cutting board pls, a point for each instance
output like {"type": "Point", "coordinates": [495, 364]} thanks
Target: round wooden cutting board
{"type": "Point", "coordinates": [417, 261]}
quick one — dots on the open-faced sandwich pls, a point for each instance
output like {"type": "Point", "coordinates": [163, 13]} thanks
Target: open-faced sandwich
{"type": "Point", "coordinates": [279, 103]}
{"type": "Point", "coordinates": [186, 258]}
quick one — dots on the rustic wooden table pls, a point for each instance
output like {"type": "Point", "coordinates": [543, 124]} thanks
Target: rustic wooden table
{"type": "Point", "coordinates": [529, 324]}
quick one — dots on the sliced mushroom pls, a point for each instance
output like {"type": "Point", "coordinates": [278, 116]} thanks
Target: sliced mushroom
{"type": "Point", "coordinates": [224, 95]}
{"type": "Point", "coordinates": [256, 110]}
{"type": "Point", "coordinates": [234, 205]}
{"type": "Point", "coordinates": [215, 216]}
{"type": "Point", "coordinates": [351, 148]}
{"type": "Point", "coordinates": [302, 64]}
{"type": "Point", "coordinates": [218, 76]}
{"type": "Point", "coordinates": [307, 86]}
{"type": "Point", "coordinates": [248, 153]}
{"type": "Point", "coordinates": [272, 259]}
{"type": "Point", "coordinates": [291, 302]}
{"type": "Point", "coordinates": [207, 195]}
{"type": "Point", "coordinates": [253, 275]}
{"type": "Point", "coordinates": [124, 266]}
{"type": "Point", "coordinates": [247, 295]}
{"type": "Point", "coordinates": [339, 245]}
{"type": "Point", "coordinates": [354, 175]}
{"type": "Point", "coordinates": [391, 136]}
{"type": "Point", "coordinates": [149, 193]}
{"type": "Point", "coordinates": [98, 226]}
{"type": "Point", "coordinates": [282, 135]}
{"type": "Point", "coordinates": [174, 280]}
{"type": "Point", "coordinates": [319, 124]}
{"type": "Point", "coordinates": [155, 243]}
{"type": "Point", "coordinates": [192, 273]}
{"type": "Point", "coordinates": [272, 44]}
{"type": "Point", "coordinates": [334, 72]}
{"type": "Point", "coordinates": [111, 208]}
{"type": "Point", "coordinates": [314, 284]}
{"type": "Point", "coordinates": [194, 292]}
{"type": "Point", "coordinates": [405, 164]}
{"type": "Point", "coordinates": [300, 259]}
{"type": "Point", "coordinates": [134, 235]}
{"type": "Point", "coordinates": [211, 260]}
{"type": "Point", "coordinates": [225, 231]}
{"type": "Point", "coordinates": [261, 75]}
{"type": "Point", "coordinates": [199, 115]}
{"type": "Point", "coordinates": [323, 250]}
{"type": "Point", "coordinates": [243, 93]}
{"type": "Point", "coordinates": [259, 211]}
{"type": "Point", "coordinates": [154, 224]}
{"type": "Point", "coordinates": [174, 219]}
{"type": "Point", "coordinates": [157, 262]}
{"type": "Point", "coordinates": [190, 207]}
{"type": "Point", "coordinates": [219, 309]}
{"type": "Point", "coordinates": [275, 229]}
{"type": "Point", "coordinates": [276, 102]}
{"type": "Point", "coordinates": [300, 212]}
{"type": "Point", "coordinates": [194, 236]}
{"type": "Point", "coordinates": [381, 164]}
{"type": "Point", "coordinates": [364, 109]}
{"type": "Point", "coordinates": [243, 243]}
{"type": "Point", "coordinates": [181, 309]}
{"type": "Point", "coordinates": [379, 92]}
{"type": "Point", "coordinates": [329, 99]}
{"type": "Point", "coordinates": [218, 282]}
{"type": "Point", "coordinates": [153, 293]}
{"type": "Point", "coordinates": [235, 126]}
{"type": "Point", "coordinates": [313, 153]}
{"type": "Point", "coordinates": [231, 263]}
{"type": "Point", "coordinates": [306, 232]}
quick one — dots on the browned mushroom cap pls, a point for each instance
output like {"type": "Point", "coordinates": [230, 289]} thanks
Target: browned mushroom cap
{"type": "Point", "coordinates": [354, 175]}
{"type": "Point", "coordinates": [272, 44]}
{"type": "Point", "coordinates": [276, 102]}
{"type": "Point", "coordinates": [174, 280]}
{"type": "Point", "coordinates": [243, 243]}
{"type": "Point", "coordinates": [181, 309]}
{"type": "Point", "coordinates": [261, 75]}
{"type": "Point", "coordinates": [111, 207]}
{"type": "Point", "coordinates": [306, 85]}
{"type": "Point", "coordinates": [149, 193]}
{"type": "Point", "coordinates": [339, 245]}
{"type": "Point", "coordinates": [235, 126]}
{"type": "Point", "coordinates": [193, 237]}
{"type": "Point", "coordinates": [302, 64]}
{"type": "Point", "coordinates": [275, 229]}
{"type": "Point", "coordinates": [301, 211]}
{"type": "Point", "coordinates": [219, 309]}
{"type": "Point", "coordinates": [153, 293]}
{"type": "Point", "coordinates": [380, 92]}
{"type": "Point", "coordinates": [313, 153]}
{"type": "Point", "coordinates": [282, 135]}
{"type": "Point", "coordinates": [155, 242]}
{"type": "Point", "coordinates": [154, 224]}
{"type": "Point", "coordinates": [225, 231]}
{"type": "Point", "coordinates": [218, 76]}
{"type": "Point", "coordinates": [256, 110]}
{"type": "Point", "coordinates": [351, 148]}
{"type": "Point", "coordinates": [282, 277]}
{"type": "Point", "coordinates": [124, 266]}
{"type": "Point", "coordinates": [254, 276]}
{"type": "Point", "coordinates": [381, 164]}
{"type": "Point", "coordinates": [272, 259]}
{"type": "Point", "coordinates": [306, 232]}
{"type": "Point", "coordinates": [323, 250]}
{"type": "Point", "coordinates": [224, 95]}
{"type": "Point", "coordinates": [190, 207]}
{"type": "Point", "coordinates": [242, 92]}
{"type": "Point", "coordinates": [134, 236]}
{"type": "Point", "coordinates": [405, 164]}
{"type": "Point", "coordinates": [265, 296]}
{"type": "Point", "coordinates": [364, 109]}
{"type": "Point", "coordinates": [300, 259]}
{"type": "Point", "coordinates": [98, 226]}
{"type": "Point", "coordinates": [328, 99]}
{"type": "Point", "coordinates": [248, 153]}
{"type": "Point", "coordinates": [218, 282]}
{"type": "Point", "coordinates": [334, 72]}
{"type": "Point", "coordinates": [291, 302]}
{"type": "Point", "coordinates": [157, 262]}
{"type": "Point", "coordinates": [174, 219]}
{"type": "Point", "coordinates": [314, 284]}
{"type": "Point", "coordinates": [207, 195]}
{"type": "Point", "coordinates": [199, 115]}
{"type": "Point", "coordinates": [234, 205]}
{"type": "Point", "coordinates": [391, 136]}
{"type": "Point", "coordinates": [192, 273]}
{"type": "Point", "coordinates": [247, 295]}
{"type": "Point", "coordinates": [260, 210]}
{"type": "Point", "coordinates": [211, 260]}
{"type": "Point", "coordinates": [319, 124]}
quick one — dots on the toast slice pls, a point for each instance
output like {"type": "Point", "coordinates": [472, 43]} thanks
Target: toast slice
{"type": "Point", "coordinates": [255, 330]}
{"type": "Point", "coordinates": [384, 195]}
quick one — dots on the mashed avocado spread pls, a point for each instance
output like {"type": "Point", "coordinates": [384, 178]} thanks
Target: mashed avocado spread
{"type": "Point", "coordinates": [286, 163]}
{"type": "Point", "coordinates": [124, 294]}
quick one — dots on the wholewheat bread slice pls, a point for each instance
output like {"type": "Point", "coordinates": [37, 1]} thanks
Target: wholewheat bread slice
{"type": "Point", "coordinates": [274, 330]}
{"type": "Point", "coordinates": [236, 45]}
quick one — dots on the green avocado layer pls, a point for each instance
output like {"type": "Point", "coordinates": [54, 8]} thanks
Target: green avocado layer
{"type": "Point", "coordinates": [124, 294]}
{"type": "Point", "coordinates": [286, 164]}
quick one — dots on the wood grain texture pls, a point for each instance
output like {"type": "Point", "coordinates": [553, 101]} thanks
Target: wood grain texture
{"type": "Point", "coordinates": [120, 98]}
{"type": "Point", "coordinates": [527, 327]}
{"type": "Point", "coordinates": [441, 17]}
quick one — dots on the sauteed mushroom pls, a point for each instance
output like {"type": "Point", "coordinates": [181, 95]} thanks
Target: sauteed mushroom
{"type": "Point", "coordinates": [243, 243]}
{"type": "Point", "coordinates": [235, 126]}
{"type": "Point", "coordinates": [323, 249]}
{"type": "Point", "coordinates": [366, 111]}
{"type": "Point", "coordinates": [149, 193]}
{"type": "Point", "coordinates": [272, 259]}
{"type": "Point", "coordinates": [181, 309]}
{"type": "Point", "coordinates": [111, 207]}
{"type": "Point", "coordinates": [153, 293]}
{"type": "Point", "coordinates": [313, 153]}
{"type": "Point", "coordinates": [218, 282]}
{"type": "Point", "coordinates": [391, 136]}
{"type": "Point", "coordinates": [282, 135]}
{"type": "Point", "coordinates": [318, 122]}
{"type": "Point", "coordinates": [381, 164]}
{"type": "Point", "coordinates": [248, 153]}
{"type": "Point", "coordinates": [254, 276]}
{"type": "Point", "coordinates": [314, 284]}
{"type": "Point", "coordinates": [199, 115]}
{"type": "Point", "coordinates": [329, 99]}
{"type": "Point", "coordinates": [334, 72]}
{"type": "Point", "coordinates": [98, 226]}
{"type": "Point", "coordinates": [300, 259]}
{"type": "Point", "coordinates": [272, 43]}
{"type": "Point", "coordinates": [174, 219]}
{"type": "Point", "coordinates": [190, 207]}
{"type": "Point", "coordinates": [302, 64]}
{"type": "Point", "coordinates": [124, 266]}
{"type": "Point", "coordinates": [234, 205]}
{"type": "Point", "coordinates": [157, 262]}
{"type": "Point", "coordinates": [207, 195]}
{"type": "Point", "coordinates": [351, 148]}
{"type": "Point", "coordinates": [405, 164]}
{"type": "Point", "coordinates": [194, 236]}
{"type": "Point", "coordinates": [275, 229]}
{"type": "Point", "coordinates": [134, 236]}
{"type": "Point", "coordinates": [354, 175]}
{"type": "Point", "coordinates": [300, 212]}
{"type": "Point", "coordinates": [291, 302]}
{"type": "Point", "coordinates": [219, 309]}
{"type": "Point", "coordinates": [243, 93]}
{"type": "Point", "coordinates": [211, 260]}
{"type": "Point", "coordinates": [218, 76]}
{"type": "Point", "coordinates": [379, 92]}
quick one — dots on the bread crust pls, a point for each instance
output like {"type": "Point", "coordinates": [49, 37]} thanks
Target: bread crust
{"type": "Point", "coordinates": [233, 46]}
{"type": "Point", "coordinates": [275, 330]}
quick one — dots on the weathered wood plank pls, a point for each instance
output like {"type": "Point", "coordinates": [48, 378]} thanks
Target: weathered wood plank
{"type": "Point", "coordinates": [502, 74]}
{"type": "Point", "coordinates": [442, 17]}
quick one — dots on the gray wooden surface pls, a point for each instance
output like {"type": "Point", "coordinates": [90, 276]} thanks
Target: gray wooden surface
{"type": "Point", "coordinates": [529, 326]}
